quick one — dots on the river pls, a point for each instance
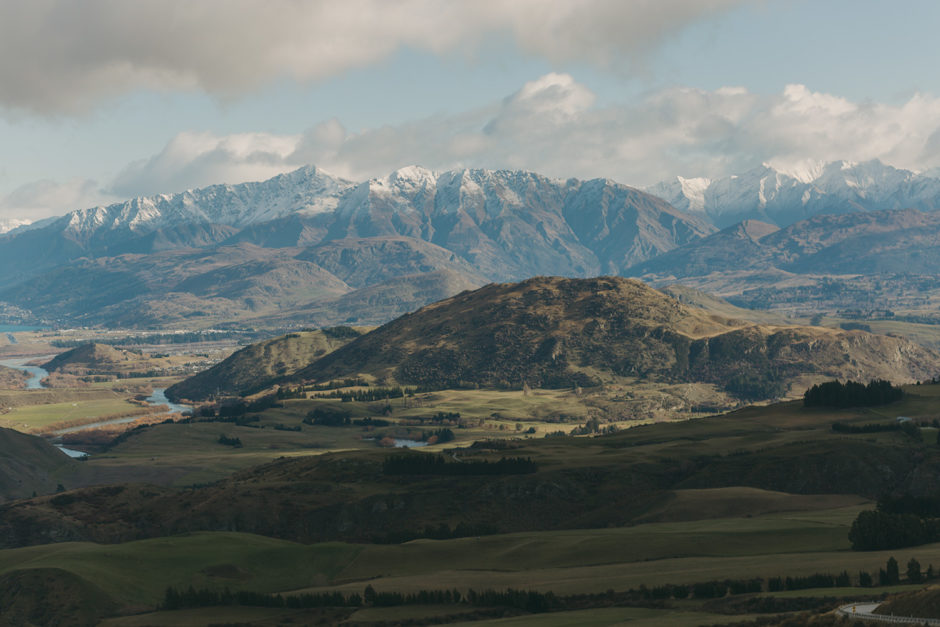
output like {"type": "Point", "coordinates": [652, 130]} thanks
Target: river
{"type": "Point", "coordinates": [36, 373]}
{"type": "Point", "coordinates": [158, 397]}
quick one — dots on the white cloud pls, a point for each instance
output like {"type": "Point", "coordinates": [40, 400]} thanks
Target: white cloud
{"type": "Point", "coordinates": [62, 56]}
{"type": "Point", "coordinates": [45, 198]}
{"type": "Point", "coordinates": [198, 159]}
{"type": "Point", "coordinates": [552, 125]}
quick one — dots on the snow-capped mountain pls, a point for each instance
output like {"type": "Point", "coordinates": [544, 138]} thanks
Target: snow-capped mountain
{"type": "Point", "coordinates": [8, 224]}
{"type": "Point", "coordinates": [308, 190]}
{"type": "Point", "coordinates": [506, 224]}
{"type": "Point", "coordinates": [772, 195]}
{"type": "Point", "coordinates": [512, 223]}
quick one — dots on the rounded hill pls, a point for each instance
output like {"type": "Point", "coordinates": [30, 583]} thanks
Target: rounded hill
{"type": "Point", "coordinates": [558, 332]}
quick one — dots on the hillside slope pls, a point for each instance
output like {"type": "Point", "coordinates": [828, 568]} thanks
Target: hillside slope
{"type": "Point", "coordinates": [555, 332]}
{"type": "Point", "coordinates": [857, 243]}
{"type": "Point", "coordinates": [255, 366]}
{"type": "Point", "coordinates": [28, 464]}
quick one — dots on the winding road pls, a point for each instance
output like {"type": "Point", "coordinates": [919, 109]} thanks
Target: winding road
{"type": "Point", "coordinates": [863, 611]}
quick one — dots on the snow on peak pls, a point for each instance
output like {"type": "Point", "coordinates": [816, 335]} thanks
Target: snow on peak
{"type": "Point", "coordinates": [784, 193]}
{"type": "Point", "coordinates": [805, 171]}
{"type": "Point", "coordinates": [8, 224]}
{"type": "Point", "coordinates": [694, 190]}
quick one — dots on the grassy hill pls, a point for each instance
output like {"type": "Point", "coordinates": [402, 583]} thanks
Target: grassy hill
{"type": "Point", "coordinates": [91, 357]}
{"type": "Point", "coordinates": [555, 332]}
{"type": "Point", "coordinates": [254, 367]}
{"type": "Point", "coordinates": [29, 464]}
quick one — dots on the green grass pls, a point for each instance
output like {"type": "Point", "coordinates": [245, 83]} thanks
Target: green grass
{"type": "Point", "coordinates": [778, 534]}
{"type": "Point", "coordinates": [561, 561]}
{"type": "Point", "coordinates": [225, 616]}
{"type": "Point", "coordinates": [139, 572]}
{"type": "Point", "coordinates": [36, 417]}
{"type": "Point", "coordinates": [632, 616]}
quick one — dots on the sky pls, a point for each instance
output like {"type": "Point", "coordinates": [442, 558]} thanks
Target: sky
{"type": "Point", "coordinates": [103, 100]}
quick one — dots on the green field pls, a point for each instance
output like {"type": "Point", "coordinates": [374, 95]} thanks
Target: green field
{"type": "Point", "coordinates": [565, 562]}
{"type": "Point", "coordinates": [760, 492]}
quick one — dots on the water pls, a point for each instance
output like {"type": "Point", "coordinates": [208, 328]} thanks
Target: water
{"type": "Point", "coordinates": [71, 452]}
{"type": "Point", "coordinates": [16, 328]}
{"type": "Point", "coordinates": [403, 443]}
{"type": "Point", "coordinates": [159, 398]}
{"type": "Point", "coordinates": [37, 374]}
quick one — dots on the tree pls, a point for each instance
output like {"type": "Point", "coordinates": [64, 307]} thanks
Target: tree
{"type": "Point", "coordinates": [891, 569]}
{"type": "Point", "coordinates": [864, 579]}
{"type": "Point", "coordinates": [913, 571]}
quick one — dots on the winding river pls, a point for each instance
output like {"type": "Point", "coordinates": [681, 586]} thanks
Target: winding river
{"type": "Point", "coordinates": [37, 374]}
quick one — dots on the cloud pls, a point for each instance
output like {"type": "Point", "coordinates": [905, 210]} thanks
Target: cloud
{"type": "Point", "coordinates": [61, 56]}
{"type": "Point", "coordinates": [46, 198]}
{"type": "Point", "coordinates": [554, 126]}
{"type": "Point", "coordinates": [193, 160]}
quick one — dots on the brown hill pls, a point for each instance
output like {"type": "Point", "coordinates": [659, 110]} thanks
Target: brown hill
{"type": "Point", "coordinates": [555, 332]}
{"type": "Point", "coordinates": [90, 358]}
{"type": "Point", "coordinates": [254, 367]}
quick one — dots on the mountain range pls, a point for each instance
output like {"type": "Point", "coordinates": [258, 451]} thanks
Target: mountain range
{"type": "Point", "coordinates": [771, 195]}
{"type": "Point", "coordinates": [239, 252]}
{"type": "Point", "coordinates": [310, 249]}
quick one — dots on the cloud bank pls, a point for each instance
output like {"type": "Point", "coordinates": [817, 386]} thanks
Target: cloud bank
{"type": "Point", "coordinates": [552, 125]}
{"type": "Point", "coordinates": [62, 56]}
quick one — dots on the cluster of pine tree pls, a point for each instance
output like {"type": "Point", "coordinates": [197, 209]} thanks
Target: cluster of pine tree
{"type": "Point", "coordinates": [371, 395]}
{"type": "Point", "coordinates": [876, 530]}
{"type": "Point", "coordinates": [816, 580]}
{"type": "Point", "coordinates": [852, 394]}
{"type": "Point", "coordinates": [228, 441]}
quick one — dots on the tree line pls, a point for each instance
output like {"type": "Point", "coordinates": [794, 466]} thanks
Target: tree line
{"type": "Point", "coordinates": [371, 395]}
{"type": "Point", "coordinates": [876, 530]}
{"type": "Point", "coordinates": [538, 602]}
{"type": "Point", "coordinates": [852, 394]}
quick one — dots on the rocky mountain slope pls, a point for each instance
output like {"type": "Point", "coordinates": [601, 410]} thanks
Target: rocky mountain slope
{"type": "Point", "coordinates": [555, 332]}
{"type": "Point", "coordinates": [897, 251]}
{"type": "Point", "coordinates": [331, 235]}
{"type": "Point", "coordinates": [770, 195]}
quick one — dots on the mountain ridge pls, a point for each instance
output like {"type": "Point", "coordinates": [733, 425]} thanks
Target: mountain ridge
{"type": "Point", "coordinates": [772, 195]}
{"type": "Point", "coordinates": [466, 227]}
